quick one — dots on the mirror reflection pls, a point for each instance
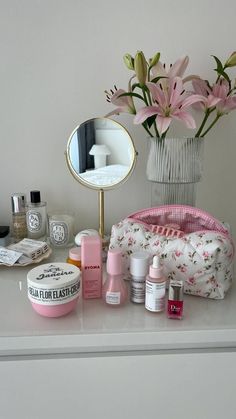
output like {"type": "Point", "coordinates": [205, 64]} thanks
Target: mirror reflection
{"type": "Point", "coordinates": [100, 153]}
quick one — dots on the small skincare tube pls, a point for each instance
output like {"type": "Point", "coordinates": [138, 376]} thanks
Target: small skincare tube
{"type": "Point", "coordinates": [91, 266]}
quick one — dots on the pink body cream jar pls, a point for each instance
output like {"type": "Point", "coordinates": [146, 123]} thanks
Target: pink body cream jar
{"type": "Point", "coordinates": [54, 288]}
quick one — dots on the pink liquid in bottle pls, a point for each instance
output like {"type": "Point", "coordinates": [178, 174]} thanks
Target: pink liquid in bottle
{"type": "Point", "coordinates": [115, 291]}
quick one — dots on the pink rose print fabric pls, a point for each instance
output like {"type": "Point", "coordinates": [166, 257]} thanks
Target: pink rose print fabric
{"type": "Point", "coordinates": [202, 257]}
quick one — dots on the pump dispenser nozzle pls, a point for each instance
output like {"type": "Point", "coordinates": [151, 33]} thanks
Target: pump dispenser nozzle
{"type": "Point", "coordinates": [155, 270]}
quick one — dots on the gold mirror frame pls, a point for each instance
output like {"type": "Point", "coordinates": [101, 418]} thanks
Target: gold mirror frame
{"type": "Point", "coordinates": [104, 187]}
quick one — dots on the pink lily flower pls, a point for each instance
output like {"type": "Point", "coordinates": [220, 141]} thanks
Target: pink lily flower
{"type": "Point", "coordinates": [169, 104]}
{"type": "Point", "coordinates": [175, 70]}
{"type": "Point", "coordinates": [124, 104]}
{"type": "Point", "coordinates": [210, 96]}
{"type": "Point", "coordinates": [227, 101]}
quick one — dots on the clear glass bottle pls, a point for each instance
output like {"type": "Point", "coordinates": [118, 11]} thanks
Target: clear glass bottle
{"type": "Point", "coordinates": [36, 216]}
{"type": "Point", "coordinates": [19, 227]}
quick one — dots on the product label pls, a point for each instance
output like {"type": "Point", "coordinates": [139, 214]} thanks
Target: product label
{"type": "Point", "coordinates": [113, 297]}
{"type": "Point", "coordinates": [53, 296]}
{"type": "Point", "coordinates": [34, 221]}
{"type": "Point", "coordinates": [58, 232]}
{"type": "Point", "coordinates": [9, 257]}
{"type": "Point", "coordinates": [137, 291]}
{"type": "Point", "coordinates": [155, 296]}
{"type": "Point", "coordinates": [53, 272]}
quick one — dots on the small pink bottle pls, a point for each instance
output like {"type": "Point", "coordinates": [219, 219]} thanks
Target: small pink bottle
{"type": "Point", "coordinates": [115, 291]}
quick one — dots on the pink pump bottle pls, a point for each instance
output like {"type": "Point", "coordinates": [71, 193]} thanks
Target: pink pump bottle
{"type": "Point", "coordinates": [115, 291]}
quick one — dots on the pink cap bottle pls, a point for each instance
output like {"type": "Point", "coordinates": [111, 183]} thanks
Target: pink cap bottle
{"type": "Point", "coordinates": [115, 291]}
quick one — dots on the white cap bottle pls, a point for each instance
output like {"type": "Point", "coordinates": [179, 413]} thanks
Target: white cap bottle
{"type": "Point", "coordinates": [155, 287]}
{"type": "Point", "coordinates": [139, 264]}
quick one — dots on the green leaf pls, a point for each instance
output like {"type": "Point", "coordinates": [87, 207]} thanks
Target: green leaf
{"type": "Point", "coordinates": [132, 94]}
{"type": "Point", "coordinates": [219, 64]}
{"type": "Point", "coordinates": [135, 85]}
{"type": "Point", "coordinates": [150, 121]}
{"type": "Point", "coordinates": [224, 75]}
{"type": "Point", "coordinates": [156, 79]}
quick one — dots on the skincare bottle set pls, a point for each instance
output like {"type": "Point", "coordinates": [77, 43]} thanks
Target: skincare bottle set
{"type": "Point", "coordinates": [148, 285]}
{"type": "Point", "coordinates": [28, 219]}
{"type": "Point", "coordinates": [84, 269]}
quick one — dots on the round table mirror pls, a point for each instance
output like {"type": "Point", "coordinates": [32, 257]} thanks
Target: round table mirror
{"type": "Point", "coordinates": [100, 155]}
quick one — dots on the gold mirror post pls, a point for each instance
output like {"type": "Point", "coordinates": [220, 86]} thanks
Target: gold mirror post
{"type": "Point", "coordinates": [101, 213]}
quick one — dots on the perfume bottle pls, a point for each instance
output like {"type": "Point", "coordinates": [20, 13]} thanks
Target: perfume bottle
{"type": "Point", "coordinates": [19, 227]}
{"type": "Point", "coordinates": [36, 216]}
{"type": "Point", "coordinates": [115, 291]}
{"type": "Point", "coordinates": [155, 287]}
{"type": "Point", "coordinates": [175, 300]}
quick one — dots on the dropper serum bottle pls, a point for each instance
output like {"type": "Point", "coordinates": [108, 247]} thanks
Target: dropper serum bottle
{"type": "Point", "coordinates": [155, 287]}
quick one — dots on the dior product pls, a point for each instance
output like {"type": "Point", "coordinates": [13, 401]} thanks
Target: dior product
{"type": "Point", "coordinates": [155, 287]}
{"type": "Point", "coordinates": [19, 227]}
{"type": "Point", "coordinates": [36, 216]}
{"type": "Point", "coordinates": [91, 266]}
{"type": "Point", "coordinates": [139, 265]}
{"type": "Point", "coordinates": [54, 289]}
{"type": "Point", "coordinates": [175, 300]}
{"type": "Point", "coordinates": [114, 292]}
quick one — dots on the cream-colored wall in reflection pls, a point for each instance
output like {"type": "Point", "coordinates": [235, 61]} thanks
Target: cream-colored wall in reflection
{"type": "Point", "coordinates": [58, 57]}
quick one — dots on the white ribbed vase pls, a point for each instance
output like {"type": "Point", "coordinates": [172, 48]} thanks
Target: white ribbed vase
{"type": "Point", "coordinates": [174, 166]}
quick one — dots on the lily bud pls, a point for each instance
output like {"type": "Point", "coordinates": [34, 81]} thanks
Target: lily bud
{"type": "Point", "coordinates": [129, 61]}
{"type": "Point", "coordinates": [231, 62]}
{"type": "Point", "coordinates": [154, 60]}
{"type": "Point", "coordinates": [140, 67]}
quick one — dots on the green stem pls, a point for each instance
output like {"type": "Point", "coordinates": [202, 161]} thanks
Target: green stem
{"type": "Point", "coordinates": [207, 113]}
{"type": "Point", "coordinates": [150, 103]}
{"type": "Point", "coordinates": [211, 125]}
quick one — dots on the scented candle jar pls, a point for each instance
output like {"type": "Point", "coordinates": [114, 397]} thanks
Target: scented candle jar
{"type": "Point", "coordinates": [54, 288]}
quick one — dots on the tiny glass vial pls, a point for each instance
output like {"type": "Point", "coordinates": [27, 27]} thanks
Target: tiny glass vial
{"type": "Point", "coordinates": [175, 300]}
{"type": "Point", "coordinates": [19, 227]}
{"type": "Point", "coordinates": [36, 217]}
{"type": "Point", "coordinates": [155, 287]}
{"type": "Point", "coordinates": [139, 265]}
{"type": "Point", "coordinates": [75, 256]}
{"type": "Point", "coordinates": [115, 291]}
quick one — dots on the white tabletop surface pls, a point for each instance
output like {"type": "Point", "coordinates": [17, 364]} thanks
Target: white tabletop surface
{"type": "Point", "coordinates": [96, 328]}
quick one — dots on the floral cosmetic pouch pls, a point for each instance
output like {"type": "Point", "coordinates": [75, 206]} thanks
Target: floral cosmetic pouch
{"type": "Point", "coordinates": [192, 244]}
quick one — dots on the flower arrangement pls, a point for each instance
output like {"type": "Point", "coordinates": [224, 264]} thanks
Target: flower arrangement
{"type": "Point", "coordinates": [165, 98]}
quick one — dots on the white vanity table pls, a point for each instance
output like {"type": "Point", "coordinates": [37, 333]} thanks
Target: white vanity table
{"type": "Point", "coordinates": [100, 362]}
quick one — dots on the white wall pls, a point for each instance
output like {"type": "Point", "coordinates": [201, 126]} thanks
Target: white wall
{"type": "Point", "coordinates": [58, 57]}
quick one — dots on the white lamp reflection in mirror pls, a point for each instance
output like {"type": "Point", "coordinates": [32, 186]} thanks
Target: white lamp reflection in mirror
{"type": "Point", "coordinates": [100, 153]}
